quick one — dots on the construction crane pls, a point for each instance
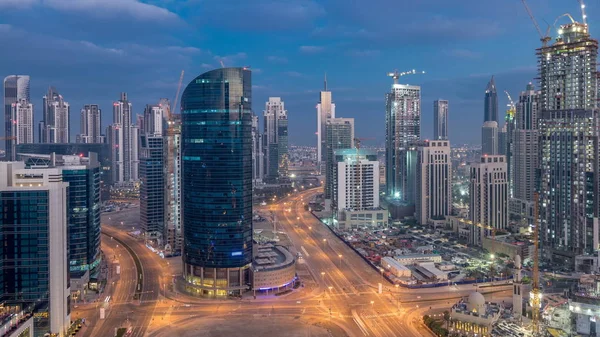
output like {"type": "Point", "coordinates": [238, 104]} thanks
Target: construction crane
{"type": "Point", "coordinates": [396, 75]}
{"type": "Point", "coordinates": [175, 101]}
{"type": "Point", "coordinates": [535, 298]}
{"type": "Point", "coordinates": [543, 37]}
{"type": "Point", "coordinates": [512, 108]}
{"type": "Point", "coordinates": [222, 64]}
{"type": "Point", "coordinates": [583, 15]}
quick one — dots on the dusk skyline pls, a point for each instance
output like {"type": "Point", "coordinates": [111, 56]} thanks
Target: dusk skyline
{"type": "Point", "coordinates": [91, 56]}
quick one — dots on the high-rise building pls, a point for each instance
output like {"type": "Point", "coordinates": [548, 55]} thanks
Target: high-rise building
{"type": "Point", "coordinates": [217, 181]}
{"type": "Point", "coordinates": [403, 127]}
{"type": "Point", "coordinates": [525, 154]}
{"type": "Point", "coordinates": [54, 127]}
{"type": "Point", "coordinates": [258, 154]}
{"type": "Point", "coordinates": [489, 138]}
{"type": "Point", "coordinates": [488, 196]}
{"type": "Point", "coordinates": [276, 139]}
{"type": "Point", "coordinates": [123, 139]}
{"type": "Point", "coordinates": [91, 121]}
{"type": "Point", "coordinates": [340, 135]}
{"type": "Point", "coordinates": [440, 119]}
{"type": "Point", "coordinates": [152, 187]}
{"type": "Point", "coordinates": [569, 128]}
{"type": "Point", "coordinates": [355, 179]}
{"type": "Point", "coordinates": [83, 175]}
{"type": "Point", "coordinates": [173, 235]}
{"type": "Point", "coordinates": [325, 111]}
{"type": "Point", "coordinates": [433, 181]}
{"type": "Point", "coordinates": [490, 108]}
{"type": "Point", "coordinates": [16, 88]}
{"type": "Point", "coordinates": [34, 247]}
{"type": "Point", "coordinates": [22, 112]}
{"type": "Point", "coordinates": [153, 120]}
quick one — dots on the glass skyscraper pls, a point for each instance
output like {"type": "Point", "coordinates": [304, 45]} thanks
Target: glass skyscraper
{"type": "Point", "coordinates": [491, 102]}
{"type": "Point", "coordinates": [217, 181]}
{"type": "Point", "coordinates": [152, 188]}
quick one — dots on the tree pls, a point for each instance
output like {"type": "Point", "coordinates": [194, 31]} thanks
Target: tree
{"type": "Point", "coordinates": [447, 318]}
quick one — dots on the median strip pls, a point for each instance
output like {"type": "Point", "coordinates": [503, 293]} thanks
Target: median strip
{"type": "Point", "coordinates": [138, 266]}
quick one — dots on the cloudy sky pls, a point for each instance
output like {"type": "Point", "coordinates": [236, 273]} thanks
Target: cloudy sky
{"type": "Point", "coordinates": [91, 50]}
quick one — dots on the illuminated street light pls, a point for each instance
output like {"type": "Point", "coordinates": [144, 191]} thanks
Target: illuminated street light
{"type": "Point", "coordinates": [322, 274]}
{"type": "Point", "coordinates": [340, 256]}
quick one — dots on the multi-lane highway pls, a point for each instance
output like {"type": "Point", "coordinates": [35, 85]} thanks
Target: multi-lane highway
{"type": "Point", "coordinates": [347, 298]}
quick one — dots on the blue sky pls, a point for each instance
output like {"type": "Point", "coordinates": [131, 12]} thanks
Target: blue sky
{"type": "Point", "coordinates": [91, 50]}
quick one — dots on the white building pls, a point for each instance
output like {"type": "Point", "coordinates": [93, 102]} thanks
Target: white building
{"type": "Point", "coordinates": [123, 140]}
{"type": "Point", "coordinates": [22, 115]}
{"type": "Point", "coordinates": [153, 120]}
{"type": "Point", "coordinates": [41, 250]}
{"type": "Point", "coordinates": [488, 193]}
{"type": "Point", "coordinates": [474, 317]}
{"type": "Point", "coordinates": [357, 177]}
{"type": "Point", "coordinates": [91, 121]}
{"type": "Point", "coordinates": [434, 181]}
{"type": "Point", "coordinates": [489, 138]}
{"type": "Point", "coordinates": [54, 127]}
{"type": "Point", "coordinates": [325, 112]}
{"type": "Point", "coordinates": [395, 267]}
{"type": "Point", "coordinates": [16, 88]}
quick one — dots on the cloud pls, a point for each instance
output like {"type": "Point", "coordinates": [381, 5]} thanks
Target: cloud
{"type": "Point", "coordinates": [206, 66]}
{"type": "Point", "coordinates": [277, 59]}
{"type": "Point", "coordinates": [231, 60]}
{"type": "Point", "coordinates": [294, 74]}
{"type": "Point", "coordinates": [364, 53]}
{"type": "Point", "coordinates": [111, 8]}
{"type": "Point", "coordinates": [463, 53]}
{"type": "Point", "coordinates": [311, 49]}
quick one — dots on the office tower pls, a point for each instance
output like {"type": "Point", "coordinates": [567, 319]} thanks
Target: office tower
{"type": "Point", "coordinates": [488, 196]}
{"type": "Point", "coordinates": [54, 127]}
{"type": "Point", "coordinates": [258, 155]}
{"type": "Point", "coordinates": [16, 88]}
{"type": "Point", "coordinates": [152, 123]}
{"type": "Point", "coordinates": [569, 144]}
{"type": "Point", "coordinates": [276, 138]}
{"type": "Point", "coordinates": [91, 120]}
{"type": "Point", "coordinates": [83, 175]}
{"type": "Point", "coordinates": [525, 154]}
{"type": "Point", "coordinates": [152, 187]}
{"type": "Point", "coordinates": [491, 102]}
{"type": "Point", "coordinates": [340, 135]}
{"type": "Point", "coordinates": [123, 141]}
{"type": "Point", "coordinates": [217, 182]}
{"type": "Point", "coordinates": [34, 253]}
{"type": "Point", "coordinates": [489, 138]}
{"type": "Point", "coordinates": [433, 181]}
{"type": "Point", "coordinates": [403, 127]}
{"type": "Point", "coordinates": [22, 112]}
{"type": "Point", "coordinates": [135, 150]}
{"type": "Point", "coordinates": [173, 188]}
{"type": "Point", "coordinates": [325, 111]}
{"type": "Point", "coordinates": [440, 119]}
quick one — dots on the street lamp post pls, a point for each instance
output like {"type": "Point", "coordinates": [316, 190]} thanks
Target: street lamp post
{"type": "Point", "coordinates": [324, 241]}
{"type": "Point", "coordinates": [340, 256]}
{"type": "Point", "coordinates": [398, 291]}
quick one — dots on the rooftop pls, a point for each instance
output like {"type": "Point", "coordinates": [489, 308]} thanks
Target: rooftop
{"type": "Point", "coordinates": [271, 257]}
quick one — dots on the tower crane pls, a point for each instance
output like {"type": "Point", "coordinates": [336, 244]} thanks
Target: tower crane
{"type": "Point", "coordinates": [543, 37]}
{"type": "Point", "coordinates": [396, 75]}
{"type": "Point", "coordinates": [583, 15]}
{"type": "Point", "coordinates": [512, 108]}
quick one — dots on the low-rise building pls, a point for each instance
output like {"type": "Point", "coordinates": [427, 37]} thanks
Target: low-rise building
{"type": "Point", "coordinates": [474, 317]}
{"type": "Point", "coordinates": [509, 245]}
{"type": "Point", "coordinates": [348, 219]}
{"type": "Point", "coordinates": [15, 324]}
{"type": "Point", "coordinates": [418, 258]}
{"type": "Point", "coordinates": [273, 268]}
{"type": "Point", "coordinates": [395, 267]}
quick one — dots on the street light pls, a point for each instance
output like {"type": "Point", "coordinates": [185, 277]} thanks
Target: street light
{"type": "Point", "coordinates": [322, 274]}
{"type": "Point", "coordinates": [398, 291]}
{"type": "Point", "coordinates": [340, 256]}
{"type": "Point", "coordinates": [324, 241]}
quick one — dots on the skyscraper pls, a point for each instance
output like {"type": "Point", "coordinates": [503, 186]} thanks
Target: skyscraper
{"type": "Point", "coordinates": [525, 154]}
{"type": "Point", "coordinates": [22, 127]}
{"type": "Point", "coordinates": [340, 135]}
{"type": "Point", "coordinates": [152, 187]}
{"type": "Point", "coordinates": [489, 138]}
{"type": "Point", "coordinates": [433, 181]}
{"type": "Point", "coordinates": [569, 126]}
{"type": "Point", "coordinates": [440, 119]}
{"type": "Point", "coordinates": [325, 111]}
{"type": "Point", "coordinates": [403, 127]}
{"type": "Point", "coordinates": [34, 253]}
{"type": "Point", "coordinates": [488, 193]}
{"type": "Point", "coordinates": [491, 102]}
{"type": "Point", "coordinates": [16, 88]}
{"type": "Point", "coordinates": [123, 142]}
{"type": "Point", "coordinates": [275, 138]}
{"type": "Point", "coordinates": [217, 181]}
{"type": "Point", "coordinates": [54, 127]}
{"type": "Point", "coordinates": [258, 154]}
{"type": "Point", "coordinates": [153, 120]}
{"type": "Point", "coordinates": [91, 121]}
{"type": "Point", "coordinates": [173, 187]}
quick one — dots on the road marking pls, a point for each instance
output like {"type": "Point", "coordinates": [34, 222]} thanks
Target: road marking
{"type": "Point", "coordinates": [359, 322]}
{"type": "Point", "coordinates": [304, 251]}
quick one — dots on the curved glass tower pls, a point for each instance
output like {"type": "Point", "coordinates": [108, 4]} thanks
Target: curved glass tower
{"type": "Point", "coordinates": [216, 159]}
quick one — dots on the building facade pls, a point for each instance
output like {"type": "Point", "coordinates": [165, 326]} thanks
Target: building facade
{"type": "Point", "coordinates": [217, 182]}
{"type": "Point", "coordinates": [355, 179]}
{"type": "Point", "coordinates": [325, 112]}
{"type": "Point", "coordinates": [340, 135]}
{"type": "Point", "coordinates": [276, 139]}
{"type": "Point", "coordinates": [152, 188]}
{"type": "Point", "coordinates": [568, 140]}
{"type": "Point", "coordinates": [122, 137]}
{"type": "Point", "coordinates": [56, 114]}
{"type": "Point", "coordinates": [403, 127]}
{"type": "Point", "coordinates": [258, 153]}
{"type": "Point", "coordinates": [434, 181]}
{"type": "Point", "coordinates": [440, 119]}
{"type": "Point", "coordinates": [91, 121]}
{"type": "Point", "coordinates": [34, 254]}
{"type": "Point", "coordinates": [489, 138]}
{"type": "Point", "coordinates": [488, 193]}
{"type": "Point", "coordinates": [22, 126]}
{"type": "Point", "coordinates": [490, 108]}
{"type": "Point", "coordinates": [16, 88]}
{"type": "Point", "coordinates": [174, 233]}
